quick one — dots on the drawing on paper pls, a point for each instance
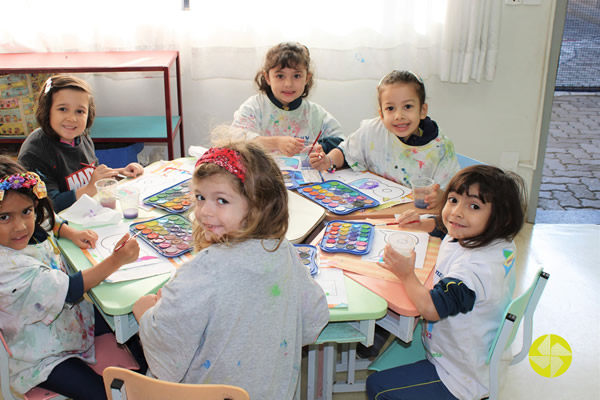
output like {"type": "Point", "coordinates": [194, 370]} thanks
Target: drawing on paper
{"type": "Point", "coordinates": [379, 188]}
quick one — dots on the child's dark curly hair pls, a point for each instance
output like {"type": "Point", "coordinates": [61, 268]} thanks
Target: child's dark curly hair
{"type": "Point", "coordinates": [285, 55]}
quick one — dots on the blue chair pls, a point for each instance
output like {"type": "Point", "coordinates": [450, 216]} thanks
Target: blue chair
{"type": "Point", "coordinates": [523, 306]}
{"type": "Point", "coordinates": [465, 161]}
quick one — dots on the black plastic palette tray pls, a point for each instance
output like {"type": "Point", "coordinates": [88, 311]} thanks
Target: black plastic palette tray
{"type": "Point", "coordinates": [350, 237]}
{"type": "Point", "coordinates": [174, 199]}
{"type": "Point", "coordinates": [338, 197]}
{"type": "Point", "coordinates": [308, 256]}
{"type": "Point", "coordinates": [169, 235]}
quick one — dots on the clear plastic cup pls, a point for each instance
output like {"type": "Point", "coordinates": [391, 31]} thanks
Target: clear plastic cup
{"type": "Point", "coordinates": [129, 199]}
{"type": "Point", "coordinates": [107, 193]}
{"type": "Point", "coordinates": [421, 187]}
{"type": "Point", "coordinates": [403, 243]}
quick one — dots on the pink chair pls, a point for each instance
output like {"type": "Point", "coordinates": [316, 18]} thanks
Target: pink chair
{"type": "Point", "coordinates": [108, 354]}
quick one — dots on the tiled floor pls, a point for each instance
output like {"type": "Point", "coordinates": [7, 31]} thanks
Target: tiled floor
{"type": "Point", "coordinates": [569, 307]}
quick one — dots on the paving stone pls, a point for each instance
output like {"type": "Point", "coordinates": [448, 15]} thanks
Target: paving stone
{"type": "Point", "coordinates": [567, 199]}
{"type": "Point", "coordinates": [592, 184]}
{"type": "Point", "coordinates": [581, 192]}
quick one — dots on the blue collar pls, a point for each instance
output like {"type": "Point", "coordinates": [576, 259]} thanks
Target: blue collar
{"type": "Point", "coordinates": [290, 107]}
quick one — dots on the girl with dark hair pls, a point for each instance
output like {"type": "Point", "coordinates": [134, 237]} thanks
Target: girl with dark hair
{"type": "Point", "coordinates": [49, 328]}
{"type": "Point", "coordinates": [473, 283]}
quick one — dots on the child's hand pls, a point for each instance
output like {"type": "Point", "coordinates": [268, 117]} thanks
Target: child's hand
{"type": "Point", "coordinates": [396, 263]}
{"type": "Point", "coordinates": [102, 172]}
{"type": "Point", "coordinates": [143, 304]}
{"type": "Point", "coordinates": [434, 199]}
{"type": "Point", "coordinates": [85, 239]}
{"type": "Point", "coordinates": [318, 159]}
{"type": "Point", "coordinates": [128, 253]}
{"type": "Point", "coordinates": [409, 219]}
{"type": "Point", "coordinates": [289, 145]}
{"type": "Point", "coordinates": [132, 170]}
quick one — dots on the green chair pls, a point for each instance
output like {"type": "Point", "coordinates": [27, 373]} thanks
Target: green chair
{"type": "Point", "coordinates": [522, 307]}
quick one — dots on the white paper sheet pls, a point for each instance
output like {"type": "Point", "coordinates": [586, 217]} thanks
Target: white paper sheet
{"type": "Point", "coordinates": [332, 282]}
{"type": "Point", "coordinates": [149, 262]}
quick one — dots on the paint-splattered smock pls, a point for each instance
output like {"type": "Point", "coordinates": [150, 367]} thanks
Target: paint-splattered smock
{"type": "Point", "coordinates": [41, 329]}
{"type": "Point", "coordinates": [259, 116]}
{"type": "Point", "coordinates": [458, 345]}
{"type": "Point", "coordinates": [236, 315]}
{"type": "Point", "coordinates": [374, 148]}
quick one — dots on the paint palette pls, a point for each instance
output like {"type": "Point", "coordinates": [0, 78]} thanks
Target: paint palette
{"type": "Point", "coordinates": [175, 199]}
{"type": "Point", "coordinates": [308, 256]}
{"type": "Point", "coordinates": [338, 197]}
{"type": "Point", "coordinates": [169, 235]}
{"type": "Point", "coordinates": [292, 179]}
{"type": "Point", "coordinates": [347, 237]}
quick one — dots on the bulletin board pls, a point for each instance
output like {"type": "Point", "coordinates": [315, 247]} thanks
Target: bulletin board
{"type": "Point", "coordinates": [18, 94]}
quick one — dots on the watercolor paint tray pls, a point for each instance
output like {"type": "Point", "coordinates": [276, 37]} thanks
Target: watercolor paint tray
{"type": "Point", "coordinates": [292, 179]}
{"type": "Point", "coordinates": [350, 237]}
{"type": "Point", "coordinates": [338, 197]}
{"type": "Point", "coordinates": [174, 199]}
{"type": "Point", "coordinates": [309, 257]}
{"type": "Point", "coordinates": [170, 235]}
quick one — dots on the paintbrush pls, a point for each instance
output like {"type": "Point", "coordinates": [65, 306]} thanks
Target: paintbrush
{"type": "Point", "coordinates": [120, 176]}
{"type": "Point", "coordinates": [315, 142]}
{"type": "Point", "coordinates": [125, 242]}
{"type": "Point", "coordinates": [396, 223]}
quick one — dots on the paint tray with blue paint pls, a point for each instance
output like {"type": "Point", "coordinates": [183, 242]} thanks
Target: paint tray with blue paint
{"type": "Point", "coordinates": [174, 199]}
{"type": "Point", "coordinates": [309, 257]}
{"type": "Point", "coordinates": [292, 179]}
{"type": "Point", "coordinates": [350, 237]}
{"type": "Point", "coordinates": [338, 197]}
{"type": "Point", "coordinates": [170, 235]}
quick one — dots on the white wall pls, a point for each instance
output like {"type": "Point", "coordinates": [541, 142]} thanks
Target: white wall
{"type": "Point", "coordinates": [483, 119]}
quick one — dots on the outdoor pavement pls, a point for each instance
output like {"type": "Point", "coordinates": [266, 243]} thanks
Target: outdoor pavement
{"type": "Point", "coordinates": [570, 187]}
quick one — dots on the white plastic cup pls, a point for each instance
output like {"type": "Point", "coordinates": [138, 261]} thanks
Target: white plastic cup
{"type": "Point", "coordinates": [129, 199]}
{"type": "Point", "coordinates": [106, 189]}
{"type": "Point", "coordinates": [402, 243]}
{"type": "Point", "coordinates": [421, 187]}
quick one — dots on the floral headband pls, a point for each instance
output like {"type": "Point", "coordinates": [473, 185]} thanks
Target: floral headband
{"type": "Point", "coordinates": [28, 180]}
{"type": "Point", "coordinates": [228, 159]}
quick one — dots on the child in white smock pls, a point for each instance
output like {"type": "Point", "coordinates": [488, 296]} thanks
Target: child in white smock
{"type": "Point", "coordinates": [403, 143]}
{"type": "Point", "coordinates": [280, 117]}
{"type": "Point", "coordinates": [49, 328]}
{"type": "Point", "coordinates": [473, 284]}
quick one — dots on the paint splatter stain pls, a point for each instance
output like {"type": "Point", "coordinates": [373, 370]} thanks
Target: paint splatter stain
{"type": "Point", "coordinates": [206, 364]}
{"type": "Point", "coordinates": [239, 363]}
{"type": "Point", "coordinates": [284, 344]}
{"type": "Point", "coordinates": [275, 291]}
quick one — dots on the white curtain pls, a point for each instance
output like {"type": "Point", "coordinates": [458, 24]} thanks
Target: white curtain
{"type": "Point", "coordinates": [455, 40]}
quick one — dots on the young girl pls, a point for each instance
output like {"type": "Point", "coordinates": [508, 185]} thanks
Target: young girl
{"type": "Point", "coordinates": [49, 330]}
{"type": "Point", "coordinates": [400, 145]}
{"type": "Point", "coordinates": [241, 310]}
{"type": "Point", "coordinates": [61, 150]}
{"type": "Point", "coordinates": [473, 284]}
{"type": "Point", "coordinates": [279, 117]}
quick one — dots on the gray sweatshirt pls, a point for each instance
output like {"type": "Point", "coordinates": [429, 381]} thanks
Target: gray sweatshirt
{"type": "Point", "coordinates": [236, 315]}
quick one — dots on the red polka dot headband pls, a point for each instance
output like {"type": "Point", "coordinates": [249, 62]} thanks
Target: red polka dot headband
{"type": "Point", "coordinates": [228, 159]}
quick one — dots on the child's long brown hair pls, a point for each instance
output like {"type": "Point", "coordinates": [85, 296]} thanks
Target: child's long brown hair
{"type": "Point", "coordinates": [285, 55]}
{"type": "Point", "coordinates": [53, 85]}
{"type": "Point", "coordinates": [263, 188]}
